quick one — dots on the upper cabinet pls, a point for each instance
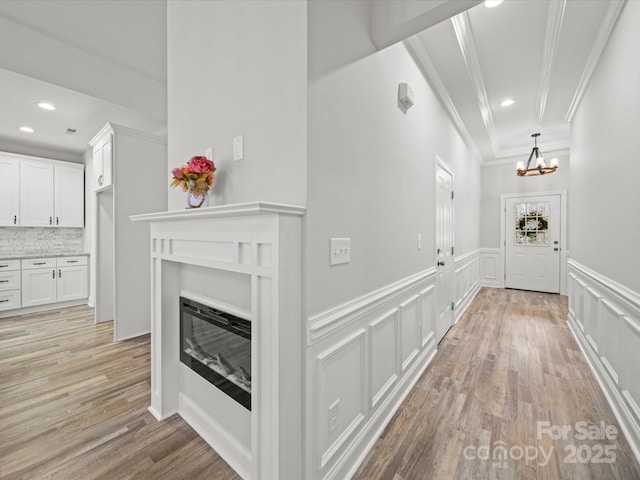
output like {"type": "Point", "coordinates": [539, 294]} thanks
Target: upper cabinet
{"type": "Point", "coordinates": [102, 145]}
{"type": "Point", "coordinates": [68, 188]}
{"type": "Point", "coordinates": [9, 191]}
{"type": "Point", "coordinates": [38, 192]}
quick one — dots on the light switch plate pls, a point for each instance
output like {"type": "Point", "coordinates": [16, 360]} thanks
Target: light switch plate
{"type": "Point", "coordinates": [340, 251]}
{"type": "Point", "coordinates": [208, 152]}
{"type": "Point", "coordinates": [238, 148]}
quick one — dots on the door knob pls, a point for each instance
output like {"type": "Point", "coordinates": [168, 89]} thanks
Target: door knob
{"type": "Point", "coordinates": [440, 264]}
{"type": "Point", "coordinates": [556, 249]}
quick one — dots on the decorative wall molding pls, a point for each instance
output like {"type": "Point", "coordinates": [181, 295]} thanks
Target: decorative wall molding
{"type": "Point", "coordinates": [467, 281]}
{"type": "Point", "coordinates": [491, 268]}
{"type": "Point", "coordinates": [609, 22]}
{"type": "Point", "coordinates": [378, 345]}
{"type": "Point", "coordinates": [604, 317]}
{"type": "Point", "coordinates": [555, 16]}
{"type": "Point", "coordinates": [325, 323]}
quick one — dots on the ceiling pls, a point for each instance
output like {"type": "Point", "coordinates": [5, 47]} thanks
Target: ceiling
{"type": "Point", "coordinates": [106, 61]}
{"type": "Point", "coordinates": [96, 61]}
{"type": "Point", "coordinates": [539, 53]}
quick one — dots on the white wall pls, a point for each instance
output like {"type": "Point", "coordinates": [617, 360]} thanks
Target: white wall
{"type": "Point", "coordinates": [605, 168]}
{"type": "Point", "coordinates": [502, 179]}
{"type": "Point", "coordinates": [239, 68]}
{"type": "Point", "coordinates": [371, 168]}
{"type": "Point", "coordinates": [604, 285]}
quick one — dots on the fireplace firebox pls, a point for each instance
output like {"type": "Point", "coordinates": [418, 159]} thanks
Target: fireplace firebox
{"type": "Point", "coordinates": [217, 346]}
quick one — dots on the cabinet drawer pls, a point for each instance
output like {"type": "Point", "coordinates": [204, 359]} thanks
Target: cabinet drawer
{"type": "Point", "coordinates": [10, 300]}
{"type": "Point", "coordinates": [6, 265]}
{"type": "Point", "coordinates": [71, 261]}
{"type": "Point", "coordinates": [9, 280]}
{"type": "Point", "coordinates": [38, 263]}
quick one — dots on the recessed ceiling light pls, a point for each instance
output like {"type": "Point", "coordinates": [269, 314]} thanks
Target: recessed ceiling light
{"type": "Point", "coordinates": [46, 106]}
{"type": "Point", "coordinates": [507, 102]}
{"type": "Point", "coordinates": [27, 129]}
{"type": "Point", "coordinates": [492, 3]}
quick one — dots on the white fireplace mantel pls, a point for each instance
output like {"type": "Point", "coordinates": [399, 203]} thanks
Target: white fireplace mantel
{"type": "Point", "coordinates": [257, 246]}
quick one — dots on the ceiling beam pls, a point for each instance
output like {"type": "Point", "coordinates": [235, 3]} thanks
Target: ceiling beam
{"type": "Point", "coordinates": [462, 28]}
{"type": "Point", "coordinates": [555, 17]}
{"type": "Point", "coordinates": [425, 64]}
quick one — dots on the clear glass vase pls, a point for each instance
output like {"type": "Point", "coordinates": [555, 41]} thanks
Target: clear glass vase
{"type": "Point", "coordinates": [197, 198]}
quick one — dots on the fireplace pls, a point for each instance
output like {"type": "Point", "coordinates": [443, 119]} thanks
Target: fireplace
{"type": "Point", "coordinates": [217, 346]}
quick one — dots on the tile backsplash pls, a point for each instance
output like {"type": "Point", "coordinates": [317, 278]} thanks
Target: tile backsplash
{"type": "Point", "coordinates": [33, 241]}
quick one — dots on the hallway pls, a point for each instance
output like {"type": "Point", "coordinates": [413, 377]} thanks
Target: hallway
{"type": "Point", "coordinates": [74, 405]}
{"type": "Point", "coordinates": [508, 366]}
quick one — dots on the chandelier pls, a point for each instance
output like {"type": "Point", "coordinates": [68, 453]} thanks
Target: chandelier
{"type": "Point", "coordinates": [540, 167]}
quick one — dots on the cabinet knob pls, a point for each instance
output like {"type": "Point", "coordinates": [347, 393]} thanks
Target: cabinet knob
{"type": "Point", "coordinates": [57, 221]}
{"type": "Point", "coordinates": [100, 179]}
{"type": "Point", "coordinates": [59, 273]}
{"type": "Point", "coordinates": [15, 219]}
{"type": "Point", "coordinates": [50, 220]}
{"type": "Point", "coordinates": [54, 273]}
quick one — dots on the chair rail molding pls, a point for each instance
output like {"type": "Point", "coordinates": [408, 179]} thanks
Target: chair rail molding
{"type": "Point", "coordinates": [604, 317]}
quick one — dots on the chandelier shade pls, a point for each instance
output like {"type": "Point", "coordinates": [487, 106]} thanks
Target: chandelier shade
{"type": "Point", "coordinates": [539, 167]}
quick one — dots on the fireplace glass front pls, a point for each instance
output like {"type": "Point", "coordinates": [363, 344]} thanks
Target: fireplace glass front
{"type": "Point", "coordinates": [217, 346]}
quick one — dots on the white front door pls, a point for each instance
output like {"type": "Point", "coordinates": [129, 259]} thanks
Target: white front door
{"type": "Point", "coordinates": [532, 250]}
{"type": "Point", "coordinates": [444, 249]}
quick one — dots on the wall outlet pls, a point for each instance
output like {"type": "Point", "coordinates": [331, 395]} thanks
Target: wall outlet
{"type": "Point", "coordinates": [334, 415]}
{"type": "Point", "coordinates": [340, 251]}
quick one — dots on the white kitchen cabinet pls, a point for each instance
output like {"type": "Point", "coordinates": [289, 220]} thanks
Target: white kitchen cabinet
{"type": "Point", "coordinates": [36, 194]}
{"type": "Point", "coordinates": [102, 145]}
{"type": "Point", "coordinates": [69, 196]}
{"type": "Point", "coordinates": [10, 295]}
{"type": "Point", "coordinates": [9, 191]}
{"type": "Point", "coordinates": [73, 280]}
{"type": "Point", "coordinates": [38, 282]}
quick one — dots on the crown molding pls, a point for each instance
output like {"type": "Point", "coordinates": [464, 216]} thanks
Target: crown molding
{"type": "Point", "coordinates": [462, 28]}
{"type": "Point", "coordinates": [606, 27]}
{"type": "Point", "coordinates": [425, 64]}
{"type": "Point", "coordinates": [555, 17]}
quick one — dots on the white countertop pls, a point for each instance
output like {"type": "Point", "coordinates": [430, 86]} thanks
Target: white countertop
{"type": "Point", "coordinates": [27, 256]}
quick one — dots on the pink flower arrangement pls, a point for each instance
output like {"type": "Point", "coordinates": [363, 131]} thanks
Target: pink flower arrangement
{"type": "Point", "coordinates": [197, 175]}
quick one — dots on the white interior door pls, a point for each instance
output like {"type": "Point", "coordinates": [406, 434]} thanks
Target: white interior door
{"type": "Point", "coordinates": [532, 243]}
{"type": "Point", "coordinates": [444, 249]}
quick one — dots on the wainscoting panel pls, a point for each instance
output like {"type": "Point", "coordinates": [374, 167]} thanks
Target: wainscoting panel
{"type": "Point", "coordinates": [363, 358]}
{"type": "Point", "coordinates": [384, 356]}
{"type": "Point", "coordinates": [467, 281]}
{"type": "Point", "coordinates": [410, 333]}
{"type": "Point", "coordinates": [604, 316]}
{"type": "Point", "coordinates": [491, 268]}
{"type": "Point", "coordinates": [342, 392]}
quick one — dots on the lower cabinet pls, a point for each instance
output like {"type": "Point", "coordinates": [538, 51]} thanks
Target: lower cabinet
{"type": "Point", "coordinates": [38, 282]}
{"type": "Point", "coordinates": [54, 280]}
{"type": "Point", "coordinates": [10, 284]}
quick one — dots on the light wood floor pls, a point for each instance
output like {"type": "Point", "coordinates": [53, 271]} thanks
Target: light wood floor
{"type": "Point", "coordinates": [509, 363]}
{"type": "Point", "coordinates": [73, 404]}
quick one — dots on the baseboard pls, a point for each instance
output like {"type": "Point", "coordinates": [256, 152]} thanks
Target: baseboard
{"type": "Point", "coordinates": [42, 308]}
{"type": "Point", "coordinates": [235, 454]}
